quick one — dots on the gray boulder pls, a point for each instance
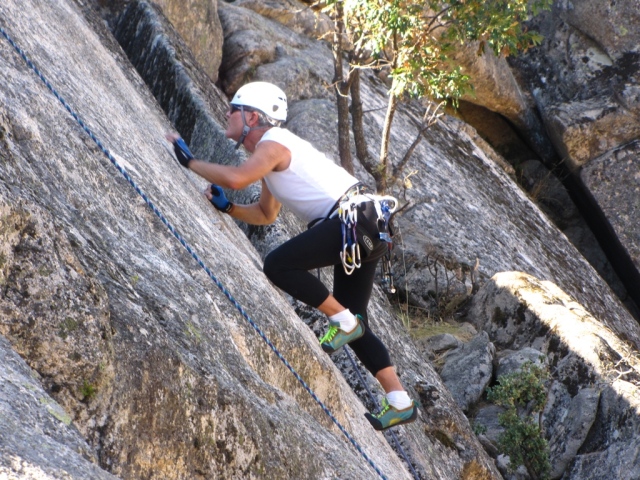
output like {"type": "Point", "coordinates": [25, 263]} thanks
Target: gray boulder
{"type": "Point", "coordinates": [611, 449]}
{"type": "Point", "coordinates": [511, 362]}
{"type": "Point", "coordinates": [442, 342]}
{"type": "Point", "coordinates": [467, 371]}
{"type": "Point", "coordinates": [568, 419]}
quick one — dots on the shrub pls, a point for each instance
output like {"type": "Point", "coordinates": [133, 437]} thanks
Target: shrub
{"type": "Point", "coordinates": [523, 394]}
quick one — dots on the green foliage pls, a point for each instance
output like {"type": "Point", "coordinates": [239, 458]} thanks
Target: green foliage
{"type": "Point", "coordinates": [524, 443]}
{"type": "Point", "coordinates": [520, 388]}
{"type": "Point", "coordinates": [495, 23]}
{"type": "Point", "coordinates": [417, 44]}
{"type": "Point", "coordinates": [417, 40]}
{"type": "Point", "coordinates": [88, 391]}
{"type": "Point", "coordinates": [67, 326]}
{"type": "Point", "coordinates": [479, 429]}
{"type": "Point", "coordinates": [523, 394]}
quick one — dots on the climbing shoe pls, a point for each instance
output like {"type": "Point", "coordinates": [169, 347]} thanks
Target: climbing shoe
{"type": "Point", "coordinates": [390, 416]}
{"type": "Point", "coordinates": [335, 339]}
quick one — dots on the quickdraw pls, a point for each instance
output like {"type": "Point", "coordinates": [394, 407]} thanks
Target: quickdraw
{"type": "Point", "coordinates": [350, 254]}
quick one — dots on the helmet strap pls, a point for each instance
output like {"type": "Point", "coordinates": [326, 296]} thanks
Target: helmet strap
{"type": "Point", "coordinates": [245, 129]}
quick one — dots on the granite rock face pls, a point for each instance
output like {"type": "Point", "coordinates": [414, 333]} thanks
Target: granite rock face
{"type": "Point", "coordinates": [198, 24]}
{"type": "Point", "coordinates": [156, 372]}
{"type": "Point", "coordinates": [144, 353]}
{"type": "Point", "coordinates": [139, 347]}
{"type": "Point", "coordinates": [614, 181]}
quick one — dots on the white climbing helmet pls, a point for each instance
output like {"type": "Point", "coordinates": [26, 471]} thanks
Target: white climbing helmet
{"type": "Point", "coordinates": [263, 96]}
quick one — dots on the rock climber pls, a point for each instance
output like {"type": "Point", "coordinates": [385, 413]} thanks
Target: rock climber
{"type": "Point", "coordinates": [345, 232]}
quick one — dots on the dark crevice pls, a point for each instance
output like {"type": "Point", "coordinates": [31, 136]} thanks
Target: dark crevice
{"type": "Point", "coordinates": [609, 242]}
{"type": "Point", "coordinates": [507, 141]}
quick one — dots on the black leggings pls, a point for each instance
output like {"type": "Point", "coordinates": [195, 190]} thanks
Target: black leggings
{"type": "Point", "coordinates": [289, 266]}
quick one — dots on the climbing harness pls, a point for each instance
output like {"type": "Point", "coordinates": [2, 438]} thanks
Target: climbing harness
{"type": "Point", "coordinates": [347, 212]}
{"type": "Point", "coordinates": [190, 250]}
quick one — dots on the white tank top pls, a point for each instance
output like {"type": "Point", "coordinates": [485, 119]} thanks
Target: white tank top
{"type": "Point", "coordinates": [312, 184]}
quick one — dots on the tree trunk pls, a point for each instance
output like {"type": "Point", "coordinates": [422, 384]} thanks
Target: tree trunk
{"type": "Point", "coordinates": [384, 145]}
{"type": "Point", "coordinates": [342, 92]}
{"type": "Point", "coordinates": [357, 118]}
{"type": "Point", "coordinates": [344, 137]}
{"type": "Point", "coordinates": [357, 125]}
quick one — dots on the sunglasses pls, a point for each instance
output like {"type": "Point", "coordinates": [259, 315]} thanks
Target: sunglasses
{"type": "Point", "coordinates": [235, 108]}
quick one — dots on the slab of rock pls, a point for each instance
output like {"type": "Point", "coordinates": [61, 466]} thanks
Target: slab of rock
{"type": "Point", "coordinates": [198, 23]}
{"type": "Point", "coordinates": [37, 436]}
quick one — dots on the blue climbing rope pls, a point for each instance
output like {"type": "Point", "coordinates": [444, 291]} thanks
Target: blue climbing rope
{"type": "Point", "coordinates": [375, 403]}
{"type": "Point", "coordinates": [190, 250]}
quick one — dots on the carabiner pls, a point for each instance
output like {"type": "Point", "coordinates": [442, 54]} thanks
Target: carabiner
{"type": "Point", "coordinates": [355, 255]}
{"type": "Point", "coordinates": [348, 268]}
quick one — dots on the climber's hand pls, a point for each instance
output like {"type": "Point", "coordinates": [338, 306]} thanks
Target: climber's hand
{"type": "Point", "coordinates": [217, 197]}
{"type": "Point", "coordinates": [183, 154]}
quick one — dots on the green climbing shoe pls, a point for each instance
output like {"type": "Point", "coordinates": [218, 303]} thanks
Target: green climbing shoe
{"type": "Point", "coordinates": [390, 416]}
{"type": "Point", "coordinates": [335, 339]}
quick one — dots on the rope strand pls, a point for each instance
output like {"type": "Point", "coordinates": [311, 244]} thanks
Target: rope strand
{"type": "Point", "coordinates": [193, 254]}
{"type": "Point", "coordinates": [375, 403]}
